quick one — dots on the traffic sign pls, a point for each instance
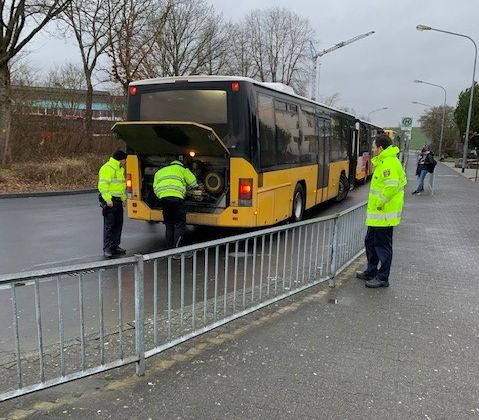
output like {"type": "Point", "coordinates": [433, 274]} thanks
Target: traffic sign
{"type": "Point", "coordinates": [406, 122]}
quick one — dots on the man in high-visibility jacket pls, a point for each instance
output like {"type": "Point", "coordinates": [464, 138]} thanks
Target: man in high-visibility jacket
{"type": "Point", "coordinates": [385, 203]}
{"type": "Point", "coordinates": [170, 185]}
{"type": "Point", "coordinates": [112, 188]}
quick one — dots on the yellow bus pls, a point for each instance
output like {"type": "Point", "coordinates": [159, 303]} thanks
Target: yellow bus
{"type": "Point", "coordinates": [262, 153]}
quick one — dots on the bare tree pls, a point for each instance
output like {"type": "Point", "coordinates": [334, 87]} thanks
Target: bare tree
{"type": "Point", "coordinates": [279, 45]}
{"type": "Point", "coordinates": [68, 81]}
{"type": "Point", "coordinates": [23, 73]}
{"type": "Point", "coordinates": [192, 41]}
{"type": "Point", "coordinates": [21, 21]}
{"type": "Point", "coordinates": [241, 62]}
{"type": "Point", "coordinates": [431, 121]}
{"type": "Point", "coordinates": [89, 20]}
{"type": "Point", "coordinates": [217, 44]}
{"type": "Point", "coordinates": [131, 37]}
{"type": "Point", "coordinates": [331, 100]}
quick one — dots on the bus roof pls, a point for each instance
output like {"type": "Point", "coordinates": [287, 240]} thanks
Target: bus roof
{"type": "Point", "coordinates": [278, 87]}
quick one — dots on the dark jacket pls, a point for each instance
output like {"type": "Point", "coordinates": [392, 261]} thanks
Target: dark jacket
{"type": "Point", "coordinates": [426, 162]}
{"type": "Point", "coordinates": [430, 163]}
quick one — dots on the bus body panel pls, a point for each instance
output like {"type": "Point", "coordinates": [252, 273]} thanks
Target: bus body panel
{"type": "Point", "coordinates": [335, 170]}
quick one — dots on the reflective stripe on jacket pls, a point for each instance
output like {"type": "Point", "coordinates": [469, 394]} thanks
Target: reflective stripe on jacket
{"type": "Point", "coordinates": [173, 180]}
{"type": "Point", "coordinates": [111, 180]}
{"type": "Point", "coordinates": [386, 194]}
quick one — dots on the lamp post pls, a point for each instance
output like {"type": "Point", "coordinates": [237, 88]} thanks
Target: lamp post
{"type": "Point", "coordinates": [376, 110]}
{"type": "Point", "coordinates": [422, 103]}
{"type": "Point", "coordinates": [443, 112]}
{"type": "Point", "coordinates": [468, 124]}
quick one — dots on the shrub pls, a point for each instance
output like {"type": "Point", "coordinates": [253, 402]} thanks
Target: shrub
{"type": "Point", "coordinates": [81, 171]}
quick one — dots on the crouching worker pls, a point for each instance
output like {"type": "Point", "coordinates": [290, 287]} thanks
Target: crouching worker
{"type": "Point", "coordinates": [112, 188]}
{"type": "Point", "coordinates": [170, 185]}
{"type": "Point", "coordinates": [385, 203]}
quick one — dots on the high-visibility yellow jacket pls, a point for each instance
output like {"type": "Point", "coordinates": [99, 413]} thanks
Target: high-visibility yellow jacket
{"type": "Point", "coordinates": [111, 180]}
{"type": "Point", "coordinates": [386, 194]}
{"type": "Point", "coordinates": [173, 180]}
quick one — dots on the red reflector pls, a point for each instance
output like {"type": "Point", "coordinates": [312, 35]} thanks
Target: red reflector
{"type": "Point", "coordinates": [133, 90]}
{"type": "Point", "coordinates": [245, 189]}
{"type": "Point", "coordinates": [235, 86]}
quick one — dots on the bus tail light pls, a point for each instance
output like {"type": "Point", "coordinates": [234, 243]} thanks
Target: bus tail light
{"type": "Point", "coordinates": [133, 90]}
{"type": "Point", "coordinates": [235, 86]}
{"type": "Point", "coordinates": [245, 193]}
{"type": "Point", "coordinates": [129, 185]}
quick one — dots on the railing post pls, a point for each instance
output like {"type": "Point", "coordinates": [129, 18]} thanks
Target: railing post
{"type": "Point", "coordinates": [139, 315]}
{"type": "Point", "coordinates": [334, 250]}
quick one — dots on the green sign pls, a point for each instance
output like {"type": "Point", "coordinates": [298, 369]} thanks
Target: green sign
{"type": "Point", "coordinates": [406, 122]}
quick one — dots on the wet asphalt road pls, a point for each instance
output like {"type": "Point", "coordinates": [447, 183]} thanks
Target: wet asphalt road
{"type": "Point", "coordinates": [51, 231]}
{"type": "Point", "coordinates": [41, 232]}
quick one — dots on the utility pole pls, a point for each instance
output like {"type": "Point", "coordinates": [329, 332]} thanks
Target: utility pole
{"type": "Point", "coordinates": [315, 55]}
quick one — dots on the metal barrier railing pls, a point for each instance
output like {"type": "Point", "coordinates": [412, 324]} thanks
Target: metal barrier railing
{"type": "Point", "coordinates": [71, 322]}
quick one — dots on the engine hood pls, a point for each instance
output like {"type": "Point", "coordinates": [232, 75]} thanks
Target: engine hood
{"type": "Point", "coordinates": [170, 138]}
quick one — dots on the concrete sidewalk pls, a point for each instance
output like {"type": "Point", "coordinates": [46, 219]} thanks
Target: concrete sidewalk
{"type": "Point", "coordinates": [409, 351]}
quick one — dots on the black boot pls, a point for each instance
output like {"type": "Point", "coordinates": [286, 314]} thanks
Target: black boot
{"type": "Point", "coordinates": [363, 275]}
{"type": "Point", "coordinates": [374, 283]}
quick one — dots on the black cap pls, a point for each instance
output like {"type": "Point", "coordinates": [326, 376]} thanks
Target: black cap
{"type": "Point", "coordinates": [119, 155]}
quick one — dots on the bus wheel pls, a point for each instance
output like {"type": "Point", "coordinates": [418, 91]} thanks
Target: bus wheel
{"type": "Point", "coordinates": [298, 203]}
{"type": "Point", "coordinates": [343, 188]}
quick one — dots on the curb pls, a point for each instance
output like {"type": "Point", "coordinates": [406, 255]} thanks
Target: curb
{"type": "Point", "coordinates": [46, 193]}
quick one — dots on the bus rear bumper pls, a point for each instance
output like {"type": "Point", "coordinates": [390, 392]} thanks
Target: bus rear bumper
{"type": "Point", "coordinates": [241, 217]}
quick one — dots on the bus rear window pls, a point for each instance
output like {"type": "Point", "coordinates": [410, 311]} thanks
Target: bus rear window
{"type": "Point", "coordinates": [201, 106]}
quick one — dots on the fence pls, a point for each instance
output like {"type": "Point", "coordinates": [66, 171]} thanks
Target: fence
{"type": "Point", "coordinates": [76, 321]}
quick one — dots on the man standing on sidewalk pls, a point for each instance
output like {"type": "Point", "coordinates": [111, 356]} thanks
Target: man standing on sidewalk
{"type": "Point", "coordinates": [385, 203]}
{"type": "Point", "coordinates": [112, 188]}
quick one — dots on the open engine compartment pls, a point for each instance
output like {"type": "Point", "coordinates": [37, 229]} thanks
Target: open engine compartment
{"type": "Point", "coordinates": [212, 174]}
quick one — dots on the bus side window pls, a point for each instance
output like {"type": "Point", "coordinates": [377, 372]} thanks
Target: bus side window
{"type": "Point", "coordinates": [266, 131]}
{"type": "Point", "coordinates": [335, 150]}
{"type": "Point", "coordinates": [287, 133]}
{"type": "Point", "coordinates": [363, 141]}
{"type": "Point", "coordinates": [310, 138]}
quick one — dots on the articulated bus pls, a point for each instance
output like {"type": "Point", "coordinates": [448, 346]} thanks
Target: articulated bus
{"type": "Point", "coordinates": [361, 150]}
{"type": "Point", "coordinates": [262, 153]}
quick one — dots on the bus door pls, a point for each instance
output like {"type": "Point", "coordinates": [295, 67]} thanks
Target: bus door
{"type": "Point", "coordinates": [355, 160]}
{"type": "Point", "coordinates": [324, 134]}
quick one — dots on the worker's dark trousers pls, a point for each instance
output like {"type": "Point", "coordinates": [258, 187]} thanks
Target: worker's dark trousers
{"type": "Point", "coordinates": [174, 217]}
{"type": "Point", "coordinates": [112, 225]}
{"type": "Point", "coordinates": [379, 249]}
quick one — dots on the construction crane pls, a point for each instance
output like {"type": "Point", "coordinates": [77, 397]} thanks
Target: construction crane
{"type": "Point", "coordinates": [315, 56]}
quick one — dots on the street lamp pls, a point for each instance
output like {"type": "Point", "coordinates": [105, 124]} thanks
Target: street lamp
{"type": "Point", "coordinates": [421, 103]}
{"type": "Point", "coordinates": [443, 112]}
{"type": "Point", "coordinates": [468, 124]}
{"type": "Point", "coordinates": [376, 110]}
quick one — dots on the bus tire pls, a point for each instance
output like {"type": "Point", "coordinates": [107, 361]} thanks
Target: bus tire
{"type": "Point", "coordinates": [343, 188]}
{"type": "Point", "coordinates": [299, 203]}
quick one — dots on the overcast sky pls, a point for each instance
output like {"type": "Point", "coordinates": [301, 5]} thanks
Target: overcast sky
{"type": "Point", "coordinates": [374, 72]}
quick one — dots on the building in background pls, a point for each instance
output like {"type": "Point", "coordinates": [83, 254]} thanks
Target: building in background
{"type": "Point", "coordinates": [66, 103]}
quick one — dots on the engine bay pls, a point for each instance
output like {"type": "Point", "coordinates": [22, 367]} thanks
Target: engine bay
{"type": "Point", "coordinates": [211, 173]}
